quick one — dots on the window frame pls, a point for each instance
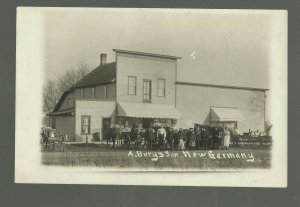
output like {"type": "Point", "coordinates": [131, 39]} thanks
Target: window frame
{"type": "Point", "coordinates": [150, 91]}
{"type": "Point", "coordinates": [81, 90]}
{"type": "Point", "coordinates": [69, 102]}
{"type": "Point", "coordinates": [89, 124]}
{"type": "Point", "coordinates": [53, 120]}
{"type": "Point", "coordinates": [135, 89]}
{"type": "Point", "coordinates": [93, 92]}
{"type": "Point", "coordinates": [164, 81]}
{"type": "Point", "coordinates": [105, 91]}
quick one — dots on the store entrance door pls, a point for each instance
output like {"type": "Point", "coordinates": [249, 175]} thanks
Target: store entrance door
{"type": "Point", "coordinates": [146, 123]}
{"type": "Point", "coordinates": [105, 127]}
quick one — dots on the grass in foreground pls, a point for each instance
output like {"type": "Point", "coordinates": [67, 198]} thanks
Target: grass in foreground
{"type": "Point", "coordinates": [107, 157]}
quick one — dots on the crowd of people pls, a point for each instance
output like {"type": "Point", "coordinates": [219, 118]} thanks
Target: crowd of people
{"type": "Point", "coordinates": [200, 137]}
{"type": "Point", "coordinates": [256, 133]}
{"type": "Point", "coordinates": [204, 137]}
{"type": "Point", "coordinates": [168, 138]}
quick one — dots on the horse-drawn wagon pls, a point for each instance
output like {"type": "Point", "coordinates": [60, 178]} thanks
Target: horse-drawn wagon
{"type": "Point", "coordinates": [51, 138]}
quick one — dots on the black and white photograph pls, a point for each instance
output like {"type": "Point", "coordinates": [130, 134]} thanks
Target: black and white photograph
{"type": "Point", "coordinates": [187, 97]}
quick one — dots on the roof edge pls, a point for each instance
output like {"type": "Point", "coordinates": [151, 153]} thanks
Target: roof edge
{"type": "Point", "coordinates": [63, 112]}
{"type": "Point", "coordinates": [147, 54]}
{"type": "Point", "coordinates": [91, 85]}
{"type": "Point", "coordinates": [89, 73]}
{"type": "Point", "coordinates": [221, 86]}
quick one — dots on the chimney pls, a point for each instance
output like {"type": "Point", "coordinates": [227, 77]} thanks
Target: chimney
{"type": "Point", "coordinates": [103, 58]}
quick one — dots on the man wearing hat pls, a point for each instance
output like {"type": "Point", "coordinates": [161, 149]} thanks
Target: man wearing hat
{"type": "Point", "coordinates": [176, 139]}
{"type": "Point", "coordinates": [198, 137]}
{"type": "Point", "coordinates": [205, 137]}
{"type": "Point", "coordinates": [161, 134]}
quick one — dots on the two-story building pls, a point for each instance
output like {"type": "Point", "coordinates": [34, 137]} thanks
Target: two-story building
{"type": "Point", "coordinates": [142, 89]}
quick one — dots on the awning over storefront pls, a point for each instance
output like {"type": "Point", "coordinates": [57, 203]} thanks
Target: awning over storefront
{"type": "Point", "coordinates": [147, 110]}
{"type": "Point", "coordinates": [226, 114]}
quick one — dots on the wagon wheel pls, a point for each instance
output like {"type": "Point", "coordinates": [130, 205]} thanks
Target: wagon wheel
{"type": "Point", "coordinates": [138, 143]}
{"type": "Point", "coordinates": [62, 146]}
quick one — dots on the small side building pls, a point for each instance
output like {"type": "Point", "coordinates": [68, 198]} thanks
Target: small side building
{"type": "Point", "coordinates": [88, 106]}
{"type": "Point", "coordinates": [242, 108]}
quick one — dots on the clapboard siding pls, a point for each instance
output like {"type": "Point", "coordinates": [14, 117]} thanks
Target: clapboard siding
{"type": "Point", "coordinates": [111, 91]}
{"type": "Point", "coordinates": [87, 93]}
{"type": "Point", "coordinates": [97, 110]}
{"type": "Point", "coordinates": [102, 92]}
{"type": "Point", "coordinates": [194, 102]}
{"type": "Point", "coordinates": [66, 125]}
{"type": "Point", "coordinates": [64, 104]}
{"type": "Point", "coordinates": [143, 67]}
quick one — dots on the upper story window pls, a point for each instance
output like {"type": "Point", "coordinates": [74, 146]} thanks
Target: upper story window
{"type": "Point", "coordinates": [53, 123]}
{"type": "Point", "coordinates": [147, 91]}
{"type": "Point", "coordinates": [93, 92]}
{"type": "Point", "coordinates": [81, 93]}
{"type": "Point", "coordinates": [131, 85]}
{"type": "Point", "coordinates": [69, 102]}
{"type": "Point", "coordinates": [105, 91]}
{"type": "Point", "coordinates": [161, 87]}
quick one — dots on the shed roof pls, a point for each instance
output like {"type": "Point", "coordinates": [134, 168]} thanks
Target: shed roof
{"type": "Point", "coordinates": [146, 110]}
{"type": "Point", "coordinates": [221, 114]}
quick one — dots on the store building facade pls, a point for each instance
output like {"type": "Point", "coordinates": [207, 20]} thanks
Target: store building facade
{"type": "Point", "coordinates": [141, 90]}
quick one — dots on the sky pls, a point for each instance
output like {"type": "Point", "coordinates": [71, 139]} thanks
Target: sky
{"type": "Point", "coordinates": [217, 47]}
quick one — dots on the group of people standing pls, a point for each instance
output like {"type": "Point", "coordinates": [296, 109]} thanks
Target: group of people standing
{"type": "Point", "coordinates": [193, 138]}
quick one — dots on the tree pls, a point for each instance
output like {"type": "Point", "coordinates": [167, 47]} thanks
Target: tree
{"type": "Point", "coordinates": [51, 94]}
{"type": "Point", "coordinates": [54, 88]}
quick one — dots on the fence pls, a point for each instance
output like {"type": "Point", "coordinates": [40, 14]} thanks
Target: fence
{"type": "Point", "coordinates": [247, 140]}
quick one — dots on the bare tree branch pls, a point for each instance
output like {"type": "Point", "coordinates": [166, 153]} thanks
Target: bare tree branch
{"type": "Point", "coordinates": [54, 88]}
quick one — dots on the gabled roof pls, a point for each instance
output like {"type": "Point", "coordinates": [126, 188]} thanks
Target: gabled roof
{"type": "Point", "coordinates": [103, 74]}
{"type": "Point", "coordinates": [63, 112]}
{"type": "Point", "coordinates": [100, 75]}
{"type": "Point", "coordinates": [61, 99]}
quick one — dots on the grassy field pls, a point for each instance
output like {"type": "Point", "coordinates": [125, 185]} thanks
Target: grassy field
{"type": "Point", "coordinates": [100, 156]}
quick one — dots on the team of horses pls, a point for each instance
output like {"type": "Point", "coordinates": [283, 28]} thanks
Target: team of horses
{"type": "Point", "coordinates": [117, 138]}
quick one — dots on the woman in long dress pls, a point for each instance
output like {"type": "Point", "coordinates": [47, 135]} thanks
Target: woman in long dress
{"type": "Point", "coordinates": [181, 140]}
{"type": "Point", "coordinates": [226, 138]}
{"type": "Point", "coordinates": [191, 139]}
